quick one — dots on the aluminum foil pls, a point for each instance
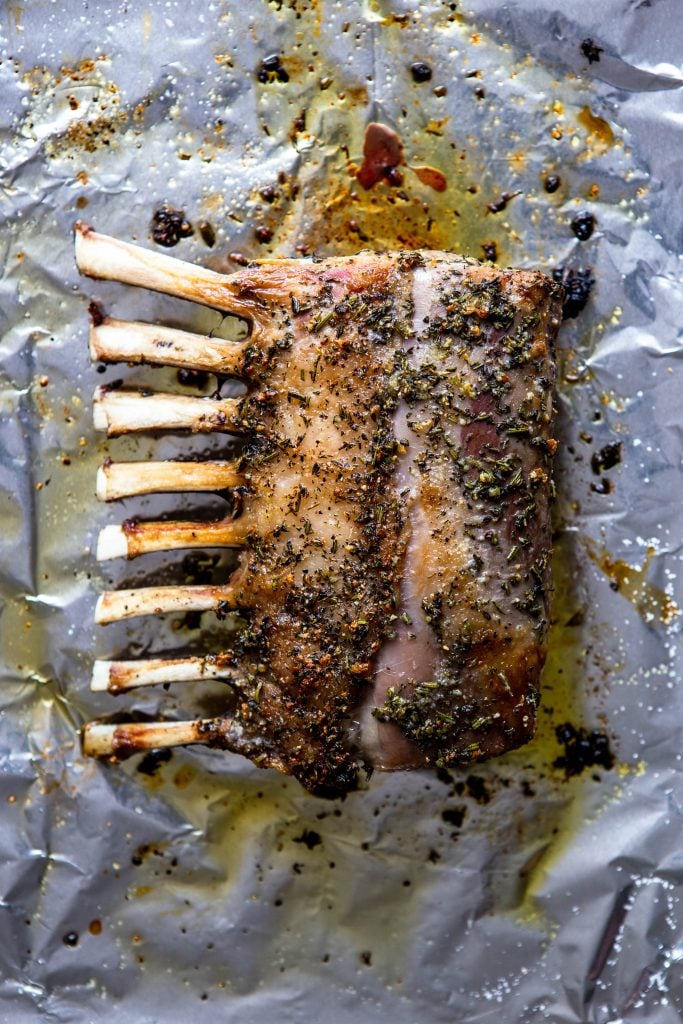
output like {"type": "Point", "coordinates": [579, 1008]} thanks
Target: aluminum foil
{"type": "Point", "coordinates": [201, 888]}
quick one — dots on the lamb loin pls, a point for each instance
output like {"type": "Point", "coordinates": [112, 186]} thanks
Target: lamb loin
{"type": "Point", "coordinates": [396, 478]}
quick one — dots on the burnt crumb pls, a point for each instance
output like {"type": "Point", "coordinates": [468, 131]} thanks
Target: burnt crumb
{"type": "Point", "coordinates": [551, 183]}
{"type": "Point", "coordinates": [583, 225]}
{"type": "Point", "coordinates": [263, 233]}
{"type": "Point", "coordinates": [454, 816]}
{"type": "Point", "coordinates": [490, 251]}
{"type": "Point", "coordinates": [608, 457]}
{"type": "Point", "coordinates": [527, 788]}
{"type": "Point", "coordinates": [480, 92]}
{"type": "Point", "coordinates": [271, 70]}
{"type": "Point", "coordinates": [239, 259]}
{"type": "Point", "coordinates": [365, 957]}
{"type": "Point", "coordinates": [70, 939]}
{"type": "Point", "coordinates": [433, 856]}
{"type": "Point", "coordinates": [193, 378]}
{"type": "Point", "coordinates": [500, 204]}
{"type": "Point", "coordinates": [591, 51]}
{"type": "Point", "coordinates": [96, 314]}
{"type": "Point", "coordinates": [476, 787]}
{"type": "Point", "coordinates": [604, 486]}
{"type": "Point", "coordinates": [268, 193]}
{"type": "Point", "coordinates": [309, 838]}
{"type": "Point", "coordinates": [298, 125]}
{"type": "Point", "coordinates": [169, 226]}
{"type": "Point", "coordinates": [153, 761]}
{"type": "Point", "coordinates": [577, 285]}
{"type": "Point", "coordinates": [444, 776]}
{"type": "Point", "coordinates": [582, 749]}
{"type": "Point", "coordinates": [208, 233]}
{"type": "Point", "coordinates": [421, 72]}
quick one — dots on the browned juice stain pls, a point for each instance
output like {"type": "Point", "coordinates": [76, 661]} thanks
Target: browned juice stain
{"type": "Point", "coordinates": [439, 205]}
{"type": "Point", "coordinates": [184, 776]}
{"type": "Point", "coordinates": [597, 127]}
{"type": "Point", "coordinates": [631, 582]}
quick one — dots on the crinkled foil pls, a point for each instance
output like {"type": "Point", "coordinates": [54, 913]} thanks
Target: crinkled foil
{"type": "Point", "coordinates": [201, 888]}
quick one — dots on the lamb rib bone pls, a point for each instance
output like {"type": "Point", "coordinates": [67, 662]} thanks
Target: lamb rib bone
{"type": "Point", "coordinates": [117, 480]}
{"type": "Point", "coordinates": [120, 676]}
{"type": "Point", "coordinates": [399, 479]}
{"type": "Point", "coordinates": [119, 741]}
{"type": "Point", "coordinates": [134, 538]}
{"type": "Point", "coordinates": [113, 341]}
{"type": "Point", "coordinates": [114, 605]}
{"type": "Point", "coordinates": [127, 412]}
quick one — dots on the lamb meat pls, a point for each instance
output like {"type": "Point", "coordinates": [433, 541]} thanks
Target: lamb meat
{"type": "Point", "coordinates": [395, 477]}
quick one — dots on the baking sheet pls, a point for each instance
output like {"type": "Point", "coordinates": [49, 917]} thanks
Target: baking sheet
{"type": "Point", "coordinates": [201, 887]}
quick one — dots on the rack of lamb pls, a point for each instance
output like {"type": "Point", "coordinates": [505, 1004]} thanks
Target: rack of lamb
{"type": "Point", "coordinates": [394, 533]}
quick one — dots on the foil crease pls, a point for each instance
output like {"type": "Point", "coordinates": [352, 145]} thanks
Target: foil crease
{"type": "Point", "coordinates": [202, 888]}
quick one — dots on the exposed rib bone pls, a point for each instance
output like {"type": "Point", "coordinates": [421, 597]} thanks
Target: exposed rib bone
{"type": "Point", "coordinates": [119, 676]}
{"type": "Point", "coordinates": [124, 412]}
{"type": "Point", "coordinates": [126, 341]}
{"type": "Point", "coordinates": [100, 740]}
{"type": "Point", "coordinates": [125, 479]}
{"type": "Point", "coordinates": [114, 605]}
{"type": "Point", "coordinates": [226, 733]}
{"type": "Point", "coordinates": [133, 538]}
{"type": "Point", "coordinates": [108, 258]}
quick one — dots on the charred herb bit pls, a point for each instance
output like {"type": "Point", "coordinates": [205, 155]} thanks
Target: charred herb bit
{"type": "Point", "coordinates": [321, 320]}
{"type": "Point", "coordinates": [500, 204]}
{"type": "Point", "coordinates": [608, 457]}
{"type": "Point", "coordinates": [490, 251]}
{"type": "Point", "coordinates": [264, 233]}
{"type": "Point", "coordinates": [432, 607]}
{"type": "Point", "coordinates": [271, 70]}
{"type": "Point", "coordinates": [385, 450]}
{"type": "Point", "coordinates": [208, 233]}
{"type": "Point", "coordinates": [268, 193]}
{"type": "Point", "coordinates": [583, 225]}
{"type": "Point", "coordinates": [591, 51]}
{"type": "Point", "coordinates": [454, 815]}
{"type": "Point", "coordinates": [309, 838]}
{"type": "Point", "coordinates": [477, 789]}
{"type": "Point", "coordinates": [582, 749]}
{"type": "Point", "coordinates": [193, 378]}
{"type": "Point", "coordinates": [421, 72]}
{"type": "Point", "coordinates": [96, 314]}
{"type": "Point", "coordinates": [169, 226]}
{"type": "Point", "coordinates": [432, 717]}
{"type": "Point", "coordinates": [577, 285]}
{"type": "Point", "coordinates": [153, 760]}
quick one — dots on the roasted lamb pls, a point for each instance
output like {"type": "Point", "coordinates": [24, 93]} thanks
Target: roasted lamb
{"type": "Point", "coordinates": [394, 572]}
